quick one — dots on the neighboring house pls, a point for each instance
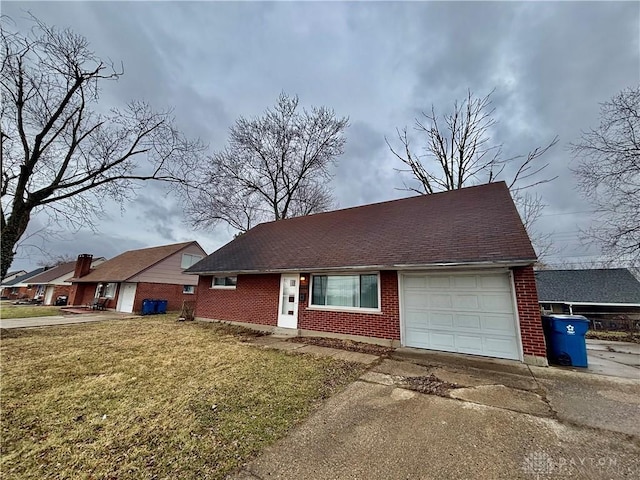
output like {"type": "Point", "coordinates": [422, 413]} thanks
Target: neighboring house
{"type": "Point", "coordinates": [126, 280]}
{"type": "Point", "coordinates": [450, 271]}
{"type": "Point", "coordinates": [10, 276]}
{"type": "Point", "coordinates": [610, 298]}
{"type": "Point", "coordinates": [19, 288]}
{"type": "Point", "coordinates": [54, 282]}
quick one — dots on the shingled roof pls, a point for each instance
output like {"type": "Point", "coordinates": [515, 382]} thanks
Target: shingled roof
{"type": "Point", "coordinates": [24, 279]}
{"type": "Point", "coordinates": [131, 263]}
{"type": "Point", "coordinates": [53, 273]}
{"type": "Point", "coordinates": [613, 285]}
{"type": "Point", "coordinates": [475, 225]}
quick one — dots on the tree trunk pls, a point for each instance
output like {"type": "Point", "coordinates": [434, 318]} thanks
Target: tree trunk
{"type": "Point", "coordinates": [10, 235]}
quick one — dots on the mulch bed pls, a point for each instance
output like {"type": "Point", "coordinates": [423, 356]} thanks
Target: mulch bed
{"type": "Point", "coordinates": [429, 384]}
{"type": "Point", "coordinates": [344, 345]}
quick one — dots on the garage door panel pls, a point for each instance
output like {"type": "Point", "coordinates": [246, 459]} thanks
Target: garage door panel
{"type": "Point", "coordinates": [440, 320]}
{"type": "Point", "coordinates": [496, 282]}
{"type": "Point", "coordinates": [415, 300]}
{"type": "Point", "coordinates": [440, 301]}
{"type": "Point", "coordinates": [466, 281]}
{"type": "Point", "coordinates": [502, 347]}
{"type": "Point", "coordinates": [497, 324]}
{"type": "Point", "coordinates": [467, 322]}
{"type": "Point", "coordinates": [439, 281]}
{"type": "Point", "coordinates": [466, 313]}
{"type": "Point", "coordinates": [415, 282]}
{"type": "Point", "coordinates": [497, 302]}
{"type": "Point", "coordinates": [469, 344]}
{"type": "Point", "coordinates": [442, 341]}
{"type": "Point", "coordinates": [466, 302]}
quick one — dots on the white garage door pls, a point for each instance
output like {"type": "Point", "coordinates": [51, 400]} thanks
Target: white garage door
{"type": "Point", "coordinates": [465, 313]}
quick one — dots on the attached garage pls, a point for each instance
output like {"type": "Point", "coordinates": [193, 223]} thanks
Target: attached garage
{"type": "Point", "coordinates": [472, 312]}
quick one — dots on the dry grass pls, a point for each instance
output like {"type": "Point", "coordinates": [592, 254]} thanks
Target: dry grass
{"type": "Point", "coordinates": [27, 311]}
{"type": "Point", "coordinates": [149, 398]}
{"type": "Point", "coordinates": [620, 336]}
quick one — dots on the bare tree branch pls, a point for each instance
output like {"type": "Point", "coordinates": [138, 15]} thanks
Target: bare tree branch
{"type": "Point", "coordinates": [608, 175]}
{"type": "Point", "coordinates": [58, 153]}
{"type": "Point", "coordinates": [275, 166]}
{"type": "Point", "coordinates": [457, 151]}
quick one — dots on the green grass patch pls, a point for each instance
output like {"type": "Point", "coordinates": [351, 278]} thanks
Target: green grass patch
{"type": "Point", "coordinates": [27, 311]}
{"type": "Point", "coordinates": [149, 398]}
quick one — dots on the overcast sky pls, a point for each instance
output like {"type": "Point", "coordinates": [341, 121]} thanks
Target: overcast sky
{"type": "Point", "coordinates": [381, 64]}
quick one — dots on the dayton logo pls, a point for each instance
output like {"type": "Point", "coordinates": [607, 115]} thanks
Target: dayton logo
{"type": "Point", "coordinates": [571, 330]}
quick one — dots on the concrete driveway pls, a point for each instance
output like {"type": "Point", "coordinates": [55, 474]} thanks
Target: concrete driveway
{"type": "Point", "coordinates": [504, 420]}
{"type": "Point", "coordinates": [62, 319]}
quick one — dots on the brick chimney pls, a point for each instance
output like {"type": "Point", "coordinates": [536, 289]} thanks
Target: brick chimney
{"type": "Point", "coordinates": [83, 265]}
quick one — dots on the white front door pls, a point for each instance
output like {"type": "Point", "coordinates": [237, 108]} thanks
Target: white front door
{"type": "Point", "coordinates": [462, 312]}
{"type": "Point", "coordinates": [48, 295]}
{"type": "Point", "coordinates": [288, 306]}
{"type": "Point", "coordinates": [127, 297]}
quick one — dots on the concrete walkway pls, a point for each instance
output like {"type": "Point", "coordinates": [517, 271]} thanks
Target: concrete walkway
{"type": "Point", "coordinates": [62, 319]}
{"type": "Point", "coordinates": [280, 343]}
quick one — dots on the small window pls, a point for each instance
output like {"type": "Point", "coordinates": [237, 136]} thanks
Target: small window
{"type": "Point", "coordinates": [189, 259]}
{"type": "Point", "coordinates": [224, 282]}
{"type": "Point", "coordinates": [347, 291]}
{"type": "Point", "coordinates": [190, 289]}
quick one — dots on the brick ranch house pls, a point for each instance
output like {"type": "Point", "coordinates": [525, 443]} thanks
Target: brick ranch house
{"type": "Point", "coordinates": [53, 282]}
{"type": "Point", "coordinates": [451, 271]}
{"type": "Point", "coordinates": [126, 280]}
{"type": "Point", "coordinates": [18, 288]}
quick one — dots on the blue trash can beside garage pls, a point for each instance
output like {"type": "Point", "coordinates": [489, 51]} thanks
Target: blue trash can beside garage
{"type": "Point", "coordinates": [565, 337]}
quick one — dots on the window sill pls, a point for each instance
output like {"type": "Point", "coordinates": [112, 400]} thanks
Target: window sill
{"type": "Point", "coordinates": [222, 287]}
{"type": "Point", "coordinates": [188, 293]}
{"type": "Point", "coordinates": [368, 311]}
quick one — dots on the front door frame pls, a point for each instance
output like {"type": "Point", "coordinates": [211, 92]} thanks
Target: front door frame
{"type": "Point", "coordinates": [288, 320]}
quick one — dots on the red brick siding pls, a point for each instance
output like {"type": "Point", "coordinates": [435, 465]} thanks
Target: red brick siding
{"type": "Point", "coordinates": [254, 300]}
{"type": "Point", "coordinates": [85, 293]}
{"type": "Point", "coordinates": [162, 291]}
{"type": "Point", "coordinates": [380, 325]}
{"type": "Point", "coordinates": [21, 292]}
{"type": "Point", "coordinates": [529, 312]}
{"type": "Point", "coordinates": [60, 290]}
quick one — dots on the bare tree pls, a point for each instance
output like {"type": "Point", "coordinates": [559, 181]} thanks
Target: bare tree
{"type": "Point", "coordinates": [60, 152]}
{"type": "Point", "coordinates": [608, 173]}
{"type": "Point", "coordinates": [458, 152]}
{"type": "Point", "coordinates": [275, 166]}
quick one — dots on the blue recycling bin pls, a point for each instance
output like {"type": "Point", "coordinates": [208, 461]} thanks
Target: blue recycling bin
{"type": "Point", "coordinates": [161, 306]}
{"type": "Point", "coordinates": [566, 344]}
{"type": "Point", "coordinates": [148, 306]}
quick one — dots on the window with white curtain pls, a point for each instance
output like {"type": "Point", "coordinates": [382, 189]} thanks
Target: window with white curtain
{"type": "Point", "coordinates": [348, 291]}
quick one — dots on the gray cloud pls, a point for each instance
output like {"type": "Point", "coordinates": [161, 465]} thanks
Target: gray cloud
{"type": "Point", "coordinates": [379, 63]}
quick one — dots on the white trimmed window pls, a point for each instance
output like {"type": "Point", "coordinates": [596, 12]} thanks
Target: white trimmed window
{"type": "Point", "coordinates": [189, 259]}
{"type": "Point", "coordinates": [190, 289]}
{"type": "Point", "coordinates": [224, 282]}
{"type": "Point", "coordinates": [359, 292]}
{"type": "Point", "coordinates": [106, 290]}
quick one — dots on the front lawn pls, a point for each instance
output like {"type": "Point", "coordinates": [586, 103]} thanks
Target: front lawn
{"type": "Point", "coordinates": [27, 311]}
{"type": "Point", "coordinates": [149, 398]}
{"type": "Point", "coordinates": [619, 336]}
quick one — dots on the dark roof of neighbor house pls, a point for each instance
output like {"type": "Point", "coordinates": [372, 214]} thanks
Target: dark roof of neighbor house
{"type": "Point", "coordinates": [613, 285]}
{"type": "Point", "coordinates": [25, 277]}
{"type": "Point", "coordinates": [53, 273]}
{"type": "Point", "coordinates": [131, 263]}
{"type": "Point", "coordinates": [473, 225]}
